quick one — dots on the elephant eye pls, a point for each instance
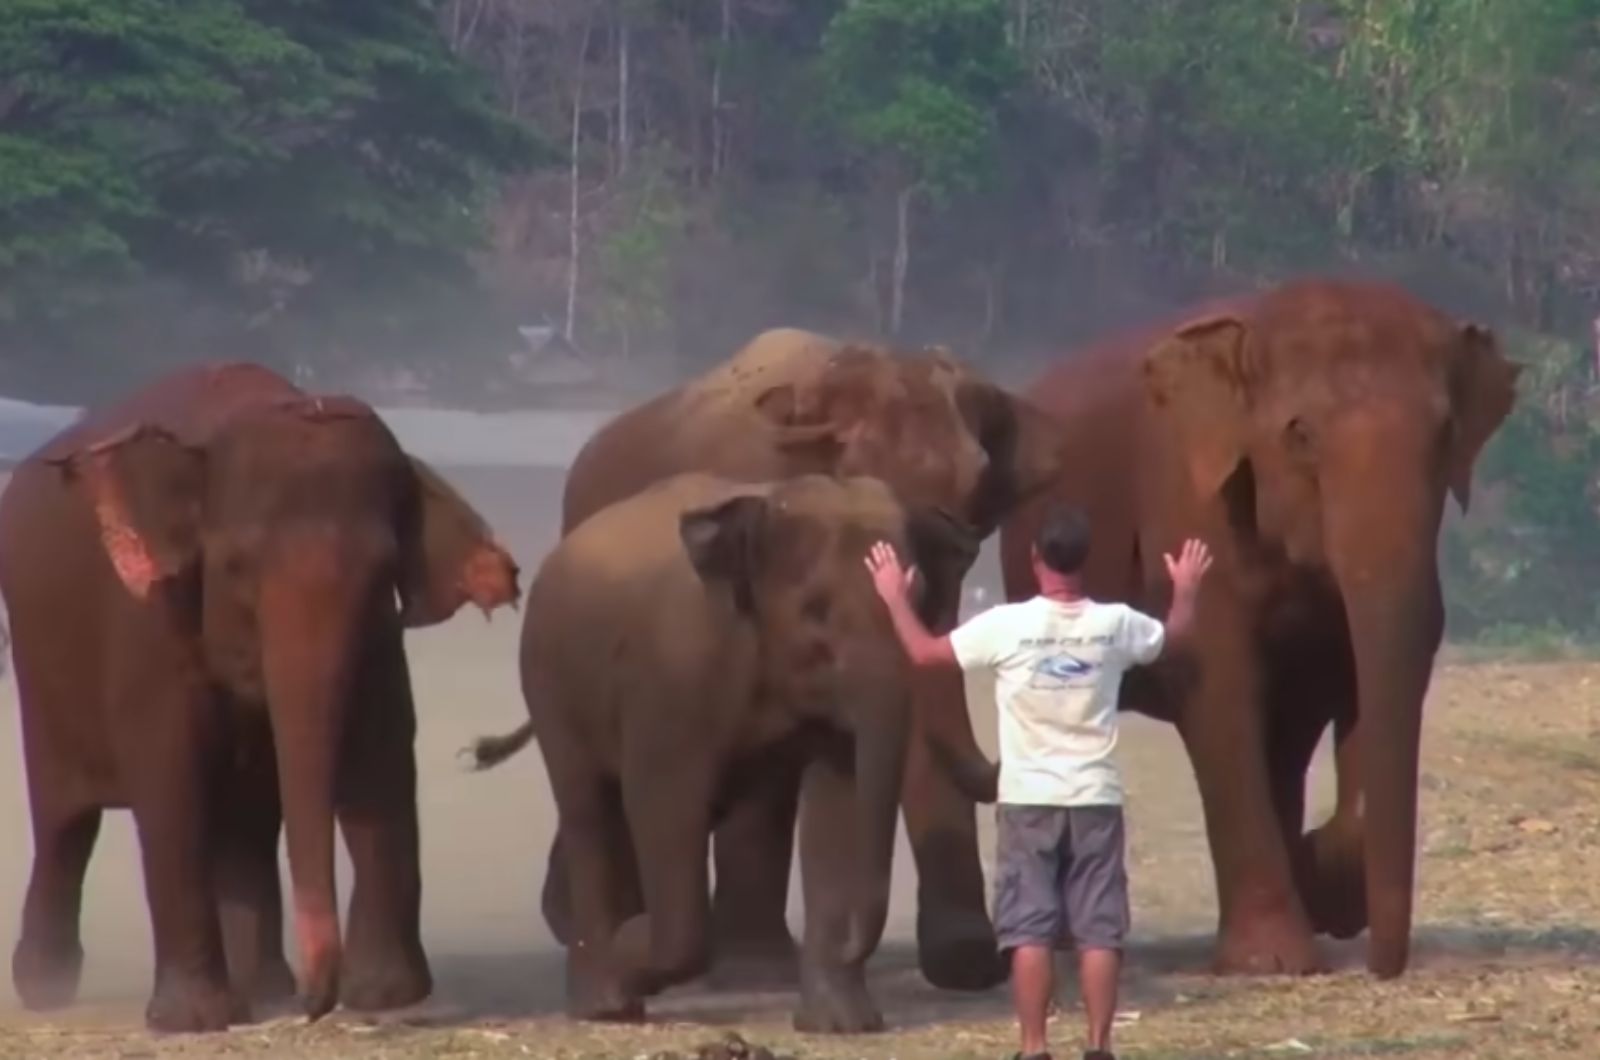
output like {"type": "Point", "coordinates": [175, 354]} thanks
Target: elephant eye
{"type": "Point", "coordinates": [1297, 436]}
{"type": "Point", "coordinates": [816, 607]}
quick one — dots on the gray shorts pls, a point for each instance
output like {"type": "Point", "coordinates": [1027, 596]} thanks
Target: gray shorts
{"type": "Point", "coordinates": [1060, 879]}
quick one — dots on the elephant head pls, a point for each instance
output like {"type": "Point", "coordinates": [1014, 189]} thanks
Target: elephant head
{"type": "Point", "coordinates": [939, 435]}
{"type": "Point", "coordinates": [791, 559]}
{"type": "Point", "coordinates": [1330, 421]}
{"type": "Point", "coordinates": [282, 546]}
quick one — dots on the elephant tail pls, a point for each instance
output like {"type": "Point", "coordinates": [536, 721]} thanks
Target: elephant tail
{"type": "Point", "coordinates": [487, 752]}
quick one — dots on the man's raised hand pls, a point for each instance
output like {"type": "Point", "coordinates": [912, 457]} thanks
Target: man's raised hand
{"type": "Point", "coordinates": [1190, 566]}
{"type": "Point", "coordinates": [889, 577]}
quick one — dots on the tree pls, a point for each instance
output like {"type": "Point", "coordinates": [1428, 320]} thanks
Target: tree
{"type": "Point", "coordinates": [917, 85]}
{"type": "Point", "coordinates": [310, 173]}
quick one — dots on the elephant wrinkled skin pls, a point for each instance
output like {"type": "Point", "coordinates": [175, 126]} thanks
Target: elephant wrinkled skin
{"type": "Point", "coordinates": [1309, 434]}
{"type": "Point", "coordinates": [208, 583]}
{"type": "Point", "coordinates": [792, 402]}
{"type": "Point", "coordinates": [684, 646]}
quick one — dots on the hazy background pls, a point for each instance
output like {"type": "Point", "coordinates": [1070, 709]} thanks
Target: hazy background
{"type": "Point", "coordinates": [566, 205]}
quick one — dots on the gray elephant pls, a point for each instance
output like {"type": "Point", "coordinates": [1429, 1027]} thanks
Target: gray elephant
{"type": "Point", "coordinates": [687, 644]}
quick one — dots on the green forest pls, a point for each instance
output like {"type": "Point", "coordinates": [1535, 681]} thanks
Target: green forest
{"type": "Point", "coordinates": [324, 185]}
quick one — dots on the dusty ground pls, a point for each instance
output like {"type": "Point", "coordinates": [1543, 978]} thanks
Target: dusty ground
{"type": "Point", "coordinates": [1507, 960]}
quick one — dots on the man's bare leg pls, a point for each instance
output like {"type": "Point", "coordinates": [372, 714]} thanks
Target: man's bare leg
{"type": "Point", "coordinates": [1032, 986]}
{"type": "Point", "coordinates": [1098, 972]}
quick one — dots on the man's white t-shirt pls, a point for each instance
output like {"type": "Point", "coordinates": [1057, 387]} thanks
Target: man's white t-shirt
{"type": "Point", "coordinates": [1058, 668]}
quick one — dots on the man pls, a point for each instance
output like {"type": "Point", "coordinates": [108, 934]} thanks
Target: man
{"type": "Point", "coordinates": [1058, 661]}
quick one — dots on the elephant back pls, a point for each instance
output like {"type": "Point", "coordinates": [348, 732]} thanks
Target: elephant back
{"type": "Point", "coordinates": [191, 404]}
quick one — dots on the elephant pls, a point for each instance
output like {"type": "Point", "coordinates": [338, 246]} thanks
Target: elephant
{"type": "Point", "coordinates": [793, 402]}
{"type": "Point", "coordinates": [1309, 433]}
{"type": "Point", "coordinates": [678, 648]}
{"type": "Point", "coordinates": [208, 583]}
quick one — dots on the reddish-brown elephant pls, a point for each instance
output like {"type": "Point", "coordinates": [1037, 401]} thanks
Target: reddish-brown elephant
{"type": "Point", "coordinates": [208, 583]}
{"type": "Point", "coordinates": [1309, 434]}
{"type": "Point", "coordinates": [792, 402]}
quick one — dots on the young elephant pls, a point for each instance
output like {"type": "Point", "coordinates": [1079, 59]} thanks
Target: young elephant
{"type": "Point", "coordinates": [208, 584]}
{"type": "Point", "coordinates": [684, 645]}
{"type": "Point", "coordinates": [793, 402]}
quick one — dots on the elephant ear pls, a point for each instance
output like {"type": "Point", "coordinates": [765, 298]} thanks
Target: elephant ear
{"type": "Point", "coordinates": [1201, 376]}
{"type": "Point", "coordinates": [449, 556]}
{"type": "Point", "coordinates": [722, 542]}
{"type": "Point", "coordinates": [1484, 390]}
{"type": "Point", "coordinates": [146, 489]}
{"type": "Point", "coordinates": [943, 549]}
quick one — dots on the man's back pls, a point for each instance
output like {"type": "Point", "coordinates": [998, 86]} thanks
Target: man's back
{"type": "Point", "coordinates": [1058, 667]}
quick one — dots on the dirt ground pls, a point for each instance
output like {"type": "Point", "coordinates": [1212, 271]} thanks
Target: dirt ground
{"type": "Point", "coordinates": [1507, 960]}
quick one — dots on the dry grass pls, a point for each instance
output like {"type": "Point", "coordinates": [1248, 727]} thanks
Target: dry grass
{"type": "Point", "coordinates": [1507, 959]}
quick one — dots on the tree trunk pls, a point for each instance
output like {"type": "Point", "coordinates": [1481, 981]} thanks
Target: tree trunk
{"type": "Point", "coordinates": [902, 258]}
{"type": "Point", "coordinates": [718, 129]}
{"type": "Point", "coordinates": [461, 35]}
{"type": "Point", "coordinates": [624, 38]}
{"type": "Point", "coordinates": [513, 73]}
{"type": "Point", "coordinates": [574, 240]}
{"type": "Point", "coordinates": [993, 276]}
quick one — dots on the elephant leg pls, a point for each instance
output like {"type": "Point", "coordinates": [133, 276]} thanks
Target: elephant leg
{"type": "Point", "coordinates": [1295, 733]}
{"type": "Point", "coordinates": [385, 966]}
{"type": "Point", "coordinates": [753, 850]}
{"type": "Point", "coordinates": [249, 897]}
{"type": "Point", "coordinates": [1263, 926]}
{"type": "Point", "coordinates": [833, 983]}
{"type": "Point", "coordinates": [556, 897]}
{"type": "Point", "coordinates": [667, 795]}
{"type": "Point", "coordinates": [956, 946]}
{"type": "Point", "coordinates": [48, 959]}
{"type": "Point", "coordinates": [170, 764]}
{"type": "Point", "coordinates": [1291, 744]}
{"type": "Point", "coordinates": [592, 828]}
{"type": "Point", "coordinates": [1333, 873]}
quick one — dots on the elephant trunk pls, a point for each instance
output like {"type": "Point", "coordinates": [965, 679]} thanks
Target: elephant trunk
{"type": "Point", "coordinates": [1386, 572]}
{"type": "Point", "coordinates": [309, 643]}
{"type": "Point", "coordinates": [941, 716]}
{"type": "Point", "coordinates": [1027, 453]}
{"type": "Point", "coordinates": [943, 721]}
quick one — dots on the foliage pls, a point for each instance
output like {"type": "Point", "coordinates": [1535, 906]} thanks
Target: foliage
{"type": "Point", "coordinates": [1531, 569]}
{"type": "Point", "coordinates": [309, 182]}
{"type": "Point", "coordinates": [919, 82]}
{"type": "Point", "coordinates": [281, 161]}
{"type": "Point", "coordinates": [635, 260]}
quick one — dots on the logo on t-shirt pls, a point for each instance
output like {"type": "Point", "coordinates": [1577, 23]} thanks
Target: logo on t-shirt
{"type": "Point", "coordinates": [1061, 670]}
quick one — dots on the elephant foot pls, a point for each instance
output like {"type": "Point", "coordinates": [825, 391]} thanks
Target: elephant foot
{"type": "Point", "coordinates": [268, 992]}
{"type": "Point", "coordinates": [956, 950]}
{"type": "Point", "coordinates": [378, 982]}
{"type": "Point", "coordinates": [772, 964]}
{"type": "Point", "coordinates": [46, 977]}
{"type": "Point", "coordinates": [1332, 880]}
{"type": "Point", "coordinates": [274, 986]}
{"type": "Point", "coordinates": [185, 1004]}
{"type": "Point", "coordinates": [598, 995]}
{"type": "Point", "coordinates": [835, 1001]}
{"type": "Point", "coordinates": [1267, 945]}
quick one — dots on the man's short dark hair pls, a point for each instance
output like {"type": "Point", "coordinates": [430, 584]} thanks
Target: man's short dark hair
{"type": "Point", "coordinates": [1063, 540]}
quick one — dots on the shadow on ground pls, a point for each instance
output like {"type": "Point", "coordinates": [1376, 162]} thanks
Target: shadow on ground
{"type": "Point", "coordinates": [1160, 972]}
